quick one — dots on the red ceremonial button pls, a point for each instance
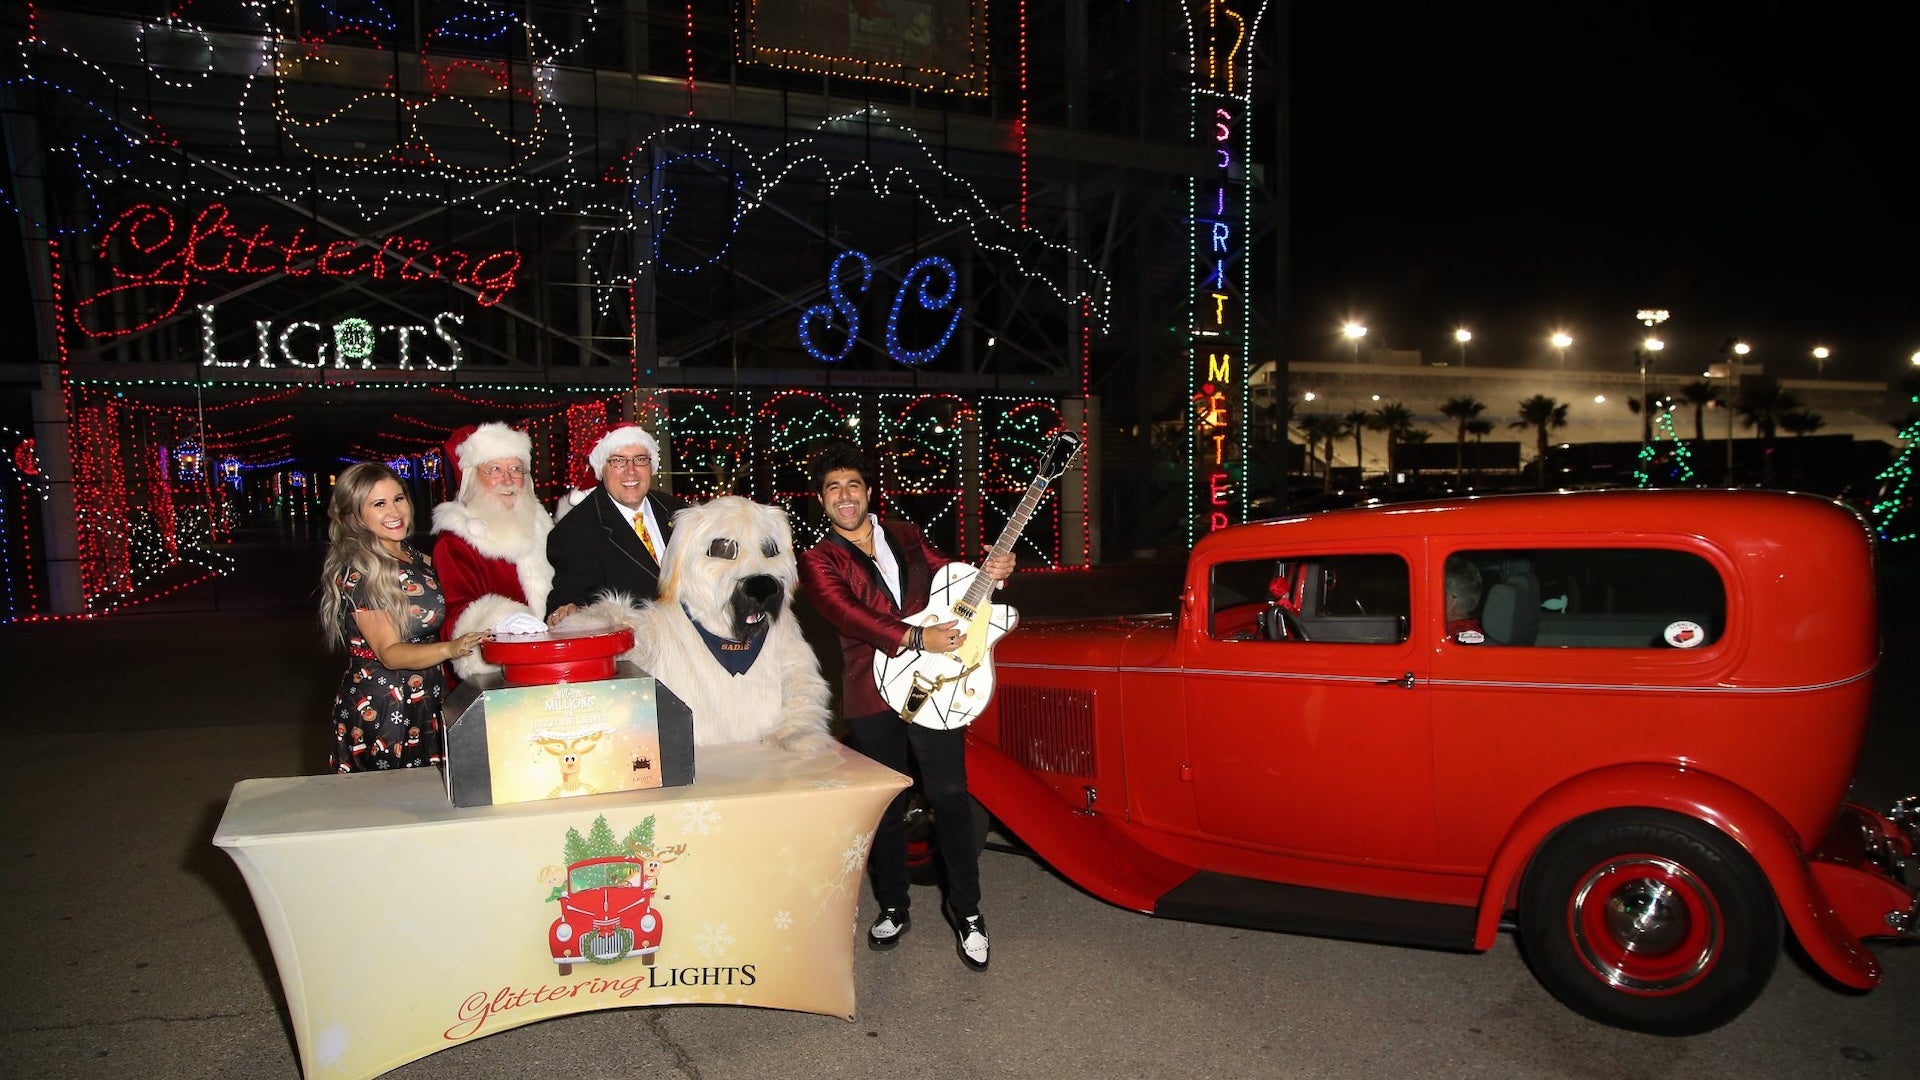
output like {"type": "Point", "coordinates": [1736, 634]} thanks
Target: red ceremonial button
{"type": "Point", "coordinates": [558, 656]}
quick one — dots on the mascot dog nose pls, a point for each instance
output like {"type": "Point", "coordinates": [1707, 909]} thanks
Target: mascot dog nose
{"type": "Point", "coordinates": [756, 603]}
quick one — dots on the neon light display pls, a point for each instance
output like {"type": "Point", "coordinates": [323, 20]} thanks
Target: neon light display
{"type": "Point", "coordinates": [1221, 212]}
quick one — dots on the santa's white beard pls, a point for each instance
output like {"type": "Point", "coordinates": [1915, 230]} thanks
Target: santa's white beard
{"type": "Point", "coordinates": [509, 520]}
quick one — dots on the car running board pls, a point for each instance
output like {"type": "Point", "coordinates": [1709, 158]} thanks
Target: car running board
{"type": "Point", "coordinates": [1293, 909]}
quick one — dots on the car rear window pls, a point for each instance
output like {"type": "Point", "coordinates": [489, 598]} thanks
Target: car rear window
{"type": "Point", "coordinates": [1592, 598]}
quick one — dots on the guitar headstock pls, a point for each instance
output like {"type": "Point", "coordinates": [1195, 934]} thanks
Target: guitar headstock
{"type": "Point", "coordinates": [1061, 451]}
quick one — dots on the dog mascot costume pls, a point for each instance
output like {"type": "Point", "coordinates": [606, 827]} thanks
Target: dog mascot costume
{"type": "Point", "coordinates": [722, 636]}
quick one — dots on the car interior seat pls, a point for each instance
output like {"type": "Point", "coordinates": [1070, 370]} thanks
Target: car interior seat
{"type": "Point", "coordinates": [1511, 614]}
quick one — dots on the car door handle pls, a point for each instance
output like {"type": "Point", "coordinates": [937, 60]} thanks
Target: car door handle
{"type": "Point", "coordinates": [1405, 681]}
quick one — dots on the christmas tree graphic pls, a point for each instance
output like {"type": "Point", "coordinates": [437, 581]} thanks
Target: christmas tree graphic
{"type": "Point", "coordinates": [1892, 510]}
{"type": "Point", "coordinates": [600, 843]}
{"type": "Point", "coordinates": [1667, 457]}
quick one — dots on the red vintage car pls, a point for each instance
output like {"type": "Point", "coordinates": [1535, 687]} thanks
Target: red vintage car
{"type": "Point", "coordinates": [606, 914]}
{"type": "Point", "coordinates": [1630, 741]}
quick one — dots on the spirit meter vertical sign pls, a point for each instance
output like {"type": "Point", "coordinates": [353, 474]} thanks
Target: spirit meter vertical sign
{"type": "Point", "coordinates": [1219, 319]}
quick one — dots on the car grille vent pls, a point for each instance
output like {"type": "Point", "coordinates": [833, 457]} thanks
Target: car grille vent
{"type": "Point", "coordinates": [1048, 730]}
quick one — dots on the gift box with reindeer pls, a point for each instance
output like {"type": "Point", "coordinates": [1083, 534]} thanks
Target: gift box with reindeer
{"type": "Point", "coordinates": [562, 717]}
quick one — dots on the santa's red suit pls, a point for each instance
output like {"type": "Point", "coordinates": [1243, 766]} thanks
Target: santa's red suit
{"type": "Point", "coordinates": [485, 580]}
{"type": "Point", "coordinates": [486, 573]}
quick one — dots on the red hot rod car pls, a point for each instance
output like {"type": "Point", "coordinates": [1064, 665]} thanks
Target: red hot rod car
{"type": "Point", "coordinates": [1630, 741]}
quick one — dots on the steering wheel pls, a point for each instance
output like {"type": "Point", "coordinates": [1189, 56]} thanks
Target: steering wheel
{"type": "Point", "coordinates": [1285, 625]}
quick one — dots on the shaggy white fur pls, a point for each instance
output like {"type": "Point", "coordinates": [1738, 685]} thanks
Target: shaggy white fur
{"type": "Point", "coordinates": [782, 699]}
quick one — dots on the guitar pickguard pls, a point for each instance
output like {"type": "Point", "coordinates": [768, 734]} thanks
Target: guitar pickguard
{"type": "Point", "coordinates": [952, 688]}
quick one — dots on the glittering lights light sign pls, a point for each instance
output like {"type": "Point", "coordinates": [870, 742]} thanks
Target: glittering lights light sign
{"type": "Point", "coordinates": [1220, 33]}
{"type": "Point", "coordinates": [155, 256]}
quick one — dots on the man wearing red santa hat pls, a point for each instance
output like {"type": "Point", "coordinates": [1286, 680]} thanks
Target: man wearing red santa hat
{"type": "Point", "coordinates": [491, 551]}
{"type": "Point", "coordinates": [612, 541]}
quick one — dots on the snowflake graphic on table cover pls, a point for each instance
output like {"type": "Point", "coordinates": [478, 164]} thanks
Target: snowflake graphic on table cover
{"type": "Point", "coordinates": [698, 817]}
{"type": "Point", "coordinates": [713, 940]}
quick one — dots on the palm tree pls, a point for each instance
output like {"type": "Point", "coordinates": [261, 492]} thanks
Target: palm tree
{"type": "Point", "coordinates": [1762, 404]}
{"type": "Point", "coordinates": [1699, 395]}
{"type": "Point", "coordinates": [1462, 410]}
{"type": "Point", "coordinates": [1358, 421]}
{"type": "Point", "coordinates": [1320, 430]}
{"type": "Point", "coordinates": [1541, 413]}
{"type": "Point", "coordinates": [1396, 420]}
{"type": "Point", "coordinates": [1801, 422]}
{"type": "Point", "coordinates": [1479, 427]}
{"type": "Point", "coordinates": [1415, 437]}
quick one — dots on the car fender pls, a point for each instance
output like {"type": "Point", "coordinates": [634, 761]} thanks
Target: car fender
{"type": "Point", "coordinates": [1083, 846]}
{"type": "Point", "coordinates": [1727, 807]}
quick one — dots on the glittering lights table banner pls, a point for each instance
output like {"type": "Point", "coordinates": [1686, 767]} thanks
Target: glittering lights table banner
{"type": "Point", "coordinates": [741, 889]}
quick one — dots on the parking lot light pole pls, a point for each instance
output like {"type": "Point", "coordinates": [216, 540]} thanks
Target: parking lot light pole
{"type": "Point", "coordinates": [1650, 318]}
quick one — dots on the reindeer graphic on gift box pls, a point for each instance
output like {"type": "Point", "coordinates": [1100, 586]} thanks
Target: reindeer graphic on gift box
{"type": "Point", "coordinates": [569, 747]}
{"type": "Point", "coordinates": [608, 901]}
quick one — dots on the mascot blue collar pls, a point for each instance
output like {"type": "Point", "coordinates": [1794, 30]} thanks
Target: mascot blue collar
{"type": "Point", "coordinates": [735, 656]}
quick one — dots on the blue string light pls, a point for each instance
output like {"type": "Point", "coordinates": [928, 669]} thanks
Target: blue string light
{"type": "Point", "coordinates": [837, 303]}
{"type": "Point", "coordinates": [928, 302]}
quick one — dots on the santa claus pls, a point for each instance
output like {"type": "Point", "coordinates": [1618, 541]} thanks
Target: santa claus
{"type": "Point", "coordinates": [491, 546]}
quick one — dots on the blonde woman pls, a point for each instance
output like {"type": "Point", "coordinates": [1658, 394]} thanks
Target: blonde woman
{"type": "Point", "coordinates": [381, 601]}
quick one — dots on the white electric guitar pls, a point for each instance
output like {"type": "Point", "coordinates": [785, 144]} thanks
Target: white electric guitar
{"type": "Point", "coordinates": [947, 690]}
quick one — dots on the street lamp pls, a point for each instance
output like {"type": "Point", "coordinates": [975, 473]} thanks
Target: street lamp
{"type": "Point", "coordinates": [1650, 318]}
{"type": "Point", "coordinates": [1560, 341]}
{"type": "Point", "coordinates": [1354, 332]}
{"type": "Point", "coordinates": [1820, 354]}
{"type": "Point", "coordinates": [1463, 335]}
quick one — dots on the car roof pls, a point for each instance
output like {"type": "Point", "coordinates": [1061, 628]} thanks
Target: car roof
{"type": "Point", "coordinates": [1733, 520]}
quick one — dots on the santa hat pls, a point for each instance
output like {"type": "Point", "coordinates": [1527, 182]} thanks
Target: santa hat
{"type": "Point", "coordinates": [624, 435]}
{"type": "Point", "coordinates": [471, 446]}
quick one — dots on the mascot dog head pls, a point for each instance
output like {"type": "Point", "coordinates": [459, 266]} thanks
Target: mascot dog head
{"type": "Point", "coordinates": [731, 565]}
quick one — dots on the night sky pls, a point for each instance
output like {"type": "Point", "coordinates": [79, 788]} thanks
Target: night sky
{"type": "Point", "coordinates": [1523, 168]}
{"type": "Point", "coordinates": [1518, 169]}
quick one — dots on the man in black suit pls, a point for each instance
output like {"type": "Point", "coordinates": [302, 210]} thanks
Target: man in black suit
{"type": "Point", "coordinates": [613, 541]}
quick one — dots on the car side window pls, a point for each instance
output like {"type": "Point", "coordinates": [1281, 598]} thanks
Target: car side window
{"type": "Point", "coordinates": [1589, 598]}
{"type": "Point", "coordinates": [1348, 599]}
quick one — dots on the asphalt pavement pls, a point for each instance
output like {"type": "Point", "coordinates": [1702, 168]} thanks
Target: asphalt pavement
{"type": "Point", "coordinates": [133, 949]}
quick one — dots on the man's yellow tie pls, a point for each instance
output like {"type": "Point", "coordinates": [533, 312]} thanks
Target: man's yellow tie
{"type": "Point", "coordinates": [640, 528]}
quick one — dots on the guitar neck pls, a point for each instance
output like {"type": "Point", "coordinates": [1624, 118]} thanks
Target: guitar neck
{"type": "Point", "coordinates": [982, 585]}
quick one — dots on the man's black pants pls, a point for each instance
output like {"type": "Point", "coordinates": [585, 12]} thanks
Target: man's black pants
{"type": "Point", "coordinates": [942, 761]}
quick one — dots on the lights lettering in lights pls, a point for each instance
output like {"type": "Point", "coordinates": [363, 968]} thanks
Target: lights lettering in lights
{"type": "Point", "coordinates": [304, 343]}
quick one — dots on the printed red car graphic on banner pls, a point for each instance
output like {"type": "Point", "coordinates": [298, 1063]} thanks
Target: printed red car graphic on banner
{"type": "Point", "coordinates": [607, 901]}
